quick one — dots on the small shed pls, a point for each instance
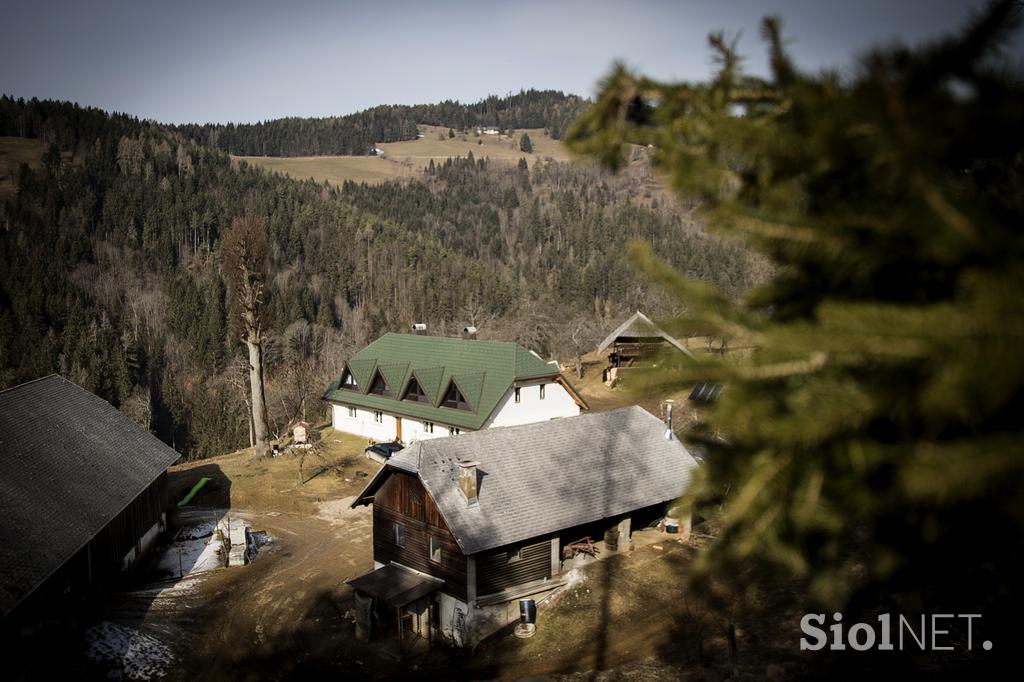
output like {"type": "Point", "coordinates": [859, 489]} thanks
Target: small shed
{"type": "Point", "coordinates": [300, 433]}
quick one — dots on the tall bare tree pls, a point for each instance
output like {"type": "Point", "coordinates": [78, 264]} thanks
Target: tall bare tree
{"type": "Point", "coordinates": [245, 270]}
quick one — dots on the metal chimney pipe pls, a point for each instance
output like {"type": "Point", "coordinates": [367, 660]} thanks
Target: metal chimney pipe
{"type": "Point", "coordinates": [469, 332]}
{"type": "Point", "coordinates": [669, 435]}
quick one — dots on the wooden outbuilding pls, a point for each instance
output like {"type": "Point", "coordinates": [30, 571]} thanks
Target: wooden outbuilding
{"type": "Point", "coordinates": [83, 491]}
{"type": "Point", "coordinates": [636, 339]}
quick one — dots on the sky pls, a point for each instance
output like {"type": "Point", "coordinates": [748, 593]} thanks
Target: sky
{"type": "Point", "coordinates": [182, 61]}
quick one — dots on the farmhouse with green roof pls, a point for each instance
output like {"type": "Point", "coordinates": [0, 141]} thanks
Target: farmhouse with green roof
{"type": "Point", "coordinates": [408, 387]}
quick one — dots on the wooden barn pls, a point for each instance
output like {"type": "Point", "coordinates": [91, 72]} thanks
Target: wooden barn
{"type": "Point", "coordinates": [636, 340]}
{"type": "Point", "coordinates": [83, 491]}
{"type": "Point", "coordinates": [463, 527]}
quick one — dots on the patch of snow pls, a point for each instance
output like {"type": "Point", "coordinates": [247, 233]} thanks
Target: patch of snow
{"type": "Point", "coordinates": [136, 655]}
{"type": "Point", "coordinates": [187, 557]}
{"type": "Point", "coordinates": [575, 577]}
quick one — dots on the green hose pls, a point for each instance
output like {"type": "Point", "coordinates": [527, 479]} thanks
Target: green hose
{"type": "Point", "coordinates": [195, 489]}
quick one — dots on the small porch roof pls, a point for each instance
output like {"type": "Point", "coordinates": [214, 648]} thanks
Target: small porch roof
{"type": "Point", "coordinates": [396, 585]}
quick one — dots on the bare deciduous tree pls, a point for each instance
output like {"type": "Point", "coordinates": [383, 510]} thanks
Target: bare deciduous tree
{"type": "Point", "coordinates": [245, 270]}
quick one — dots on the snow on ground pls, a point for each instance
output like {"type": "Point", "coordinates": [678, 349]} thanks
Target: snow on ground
{"type": "Point", "coordinates": [138, 656]}
{"type": "Point", "coordinates": [186, 557]}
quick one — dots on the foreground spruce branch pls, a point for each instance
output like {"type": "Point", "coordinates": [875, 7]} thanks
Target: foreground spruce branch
{"type": "Point", "coordinates": [874, 437]}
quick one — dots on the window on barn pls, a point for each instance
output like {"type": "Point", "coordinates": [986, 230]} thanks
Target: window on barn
{"type": "Point", "coordinates": [435, 549]}
{"type": "Point", "coordinates": [515, 555]}
{"type": "Point", "coordinates": [379, 386]}
{"type": "Point", "coordinates": [400, 535]}
{"type": "Point", "coordinates": [414, 392]}
{"type": "Point", "coordinates": [453, 398]}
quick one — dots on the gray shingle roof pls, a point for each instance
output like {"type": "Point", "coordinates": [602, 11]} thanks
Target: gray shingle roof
{"type": "Point", "coordinates": [540, 478]}
{"type": "Point", "coordinates": [69, 463]}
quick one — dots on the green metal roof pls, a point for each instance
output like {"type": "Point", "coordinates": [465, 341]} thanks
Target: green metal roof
{"type": "Point", "coordinates": [483, 371]}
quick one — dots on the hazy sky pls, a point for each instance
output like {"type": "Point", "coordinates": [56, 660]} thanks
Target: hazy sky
{"type": "Point", "coordinates": [228, 60]}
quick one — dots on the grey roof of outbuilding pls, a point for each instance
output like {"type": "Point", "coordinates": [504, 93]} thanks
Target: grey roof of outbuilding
{"type": "Point", "coordinates": [541, 478]}
{"type": "Point", "coordinates": [69, 463]}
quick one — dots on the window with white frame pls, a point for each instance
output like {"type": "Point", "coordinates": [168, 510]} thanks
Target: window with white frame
{"type": "Point", "coordinates": [454, 431]}
{"type": "Point", "coordinates": [518, 397]}
{"type": "Point", "coordinates": [400, 535]}
{"type": "Point", "coordinates": [378, 417]}
{"type": "Point", "coordinates": [435, 549]}
{"type": "Point", "coordinates": [428, 427]}
{"type": "Point", "coordinates": [542, 391]}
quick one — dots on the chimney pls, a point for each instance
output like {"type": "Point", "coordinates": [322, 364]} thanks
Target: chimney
{"type": "Point", "coordinates": [419, 329]}
{"type": "Point", "coordinates": [467, 481]}
{"type": "Point", "coordinates": [667, 406]}
{"type": "Point", "coordinates": [469, 332]}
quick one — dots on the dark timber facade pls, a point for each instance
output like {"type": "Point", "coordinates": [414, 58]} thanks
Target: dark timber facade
{"type": "Point", "coordinates": [402, 501]}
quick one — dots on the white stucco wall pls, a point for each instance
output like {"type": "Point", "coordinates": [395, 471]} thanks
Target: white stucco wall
{"type": "Point", "coordinates": [363, 424]}
{"type": "Point", "coordinates": [413, 429]}
{"type": "Point", "coordinates": [556, 403]}
{"type": "Point", "coordinates": [454, 619]}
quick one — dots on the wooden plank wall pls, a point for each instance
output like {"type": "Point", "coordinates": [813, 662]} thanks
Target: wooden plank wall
{"type": "Point", "coordinates": [119, 536]}
{"type": "Point", "coordinates": [494, 572]}
{"type": "Point", "coordinates": [402, 499]}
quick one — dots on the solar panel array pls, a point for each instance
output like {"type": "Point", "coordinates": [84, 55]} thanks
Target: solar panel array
{"type": "Point", "coordinates": [705, 393]}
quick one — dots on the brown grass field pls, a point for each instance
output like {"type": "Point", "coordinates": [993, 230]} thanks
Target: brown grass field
{"type": "Point", "coordinates": [407, 159]}
{"type": "Point", "coordinates": [15, 151]}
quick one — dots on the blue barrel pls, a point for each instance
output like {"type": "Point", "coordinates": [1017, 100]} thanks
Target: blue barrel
{"type": "Point", "coordinates": [527, 611]}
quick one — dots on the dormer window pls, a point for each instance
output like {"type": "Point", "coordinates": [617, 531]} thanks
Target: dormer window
{"type": "Point", "coordinates": [379, 386]}
{"type": "Point", "coordinates": [348, 381]}
{"type": "Point", "coordinates": [415, 393]}
{"type": "Point", "coordinates": [453, 398]}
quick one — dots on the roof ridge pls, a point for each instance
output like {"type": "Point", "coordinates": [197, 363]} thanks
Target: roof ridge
{"type": "Point", "coordinates": [52, 375]}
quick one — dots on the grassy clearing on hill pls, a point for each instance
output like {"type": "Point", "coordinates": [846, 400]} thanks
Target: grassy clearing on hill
{"type": "Point", "coordinates": [334, 169]}
{"type": "Point", "coordinates": [241, 482]}
{"type": "Point", "coordinates": [407, 159]}
{"type": "Point", "coordinates": [15, 151]}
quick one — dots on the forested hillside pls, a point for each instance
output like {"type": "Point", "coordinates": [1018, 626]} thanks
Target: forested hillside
{"type": "Point", "coordinates": [356, 134]}
{"type": "Point", "coordinates": [110, 266]}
